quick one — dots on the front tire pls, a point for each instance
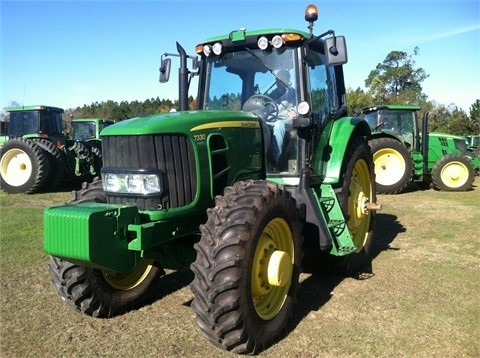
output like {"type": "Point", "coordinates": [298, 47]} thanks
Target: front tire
{"type": "Point", "coordinates": [453, 172]}
{"type": "Point", "coordinates": [247, 267]}
{"type": "Point", "coordinates": [102, 293]}
{"type": "Point", "coordinates": [393, 165]}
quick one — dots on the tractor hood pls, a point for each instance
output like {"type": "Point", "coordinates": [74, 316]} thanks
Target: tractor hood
{"type": "Point", "coordinates": [181, 122]}
{"type": "Point", "coordinates": [446, 135]}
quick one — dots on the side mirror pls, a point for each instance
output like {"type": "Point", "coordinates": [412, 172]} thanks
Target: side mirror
{"type": "Point", "coordinates": [195, 63]}
{"type": "Point", "coordinates": [335, 50]}
{"type": "Point", "coordinates": [165, 70]}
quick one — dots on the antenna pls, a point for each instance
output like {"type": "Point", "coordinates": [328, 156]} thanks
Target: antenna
{"type": "Point", "coordinates": [23, 101]}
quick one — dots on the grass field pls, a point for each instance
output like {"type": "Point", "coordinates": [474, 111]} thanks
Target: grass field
{"type": "Point", "coordinates": [422, 301]}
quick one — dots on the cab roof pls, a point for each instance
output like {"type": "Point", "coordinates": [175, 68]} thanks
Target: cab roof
{"type": "Point", "coordinates": [34, 108]}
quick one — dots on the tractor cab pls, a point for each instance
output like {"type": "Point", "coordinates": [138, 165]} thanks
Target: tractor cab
{"type": "Point", "coordinates": [264, 77]}
{"type": "Point", "coordinates": [396, 121]}
{"type": "Point", "coordinates": [88, 129]}
{"type": "Point", "coordinates": [35, 122]}
{"type": "Point", "coordinates": [292, 81]}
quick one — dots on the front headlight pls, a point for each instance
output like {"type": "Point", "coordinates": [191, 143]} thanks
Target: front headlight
{"type": "Point", "coordinates": [131, 183]}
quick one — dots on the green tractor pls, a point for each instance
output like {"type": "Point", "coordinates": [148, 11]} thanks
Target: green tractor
{"type": "Point", "coordinates": [37, 155]}
{"type": "Point", "coordinates": [86, 132]}
{"type": "Point", "coordinates": [207, 189]}
{"type": "Point", "coordinates": [88, 129]}
{"type": "Point", "coordinates": [473, 142]}
{"type": "Point", "coordinates": [401, 154]}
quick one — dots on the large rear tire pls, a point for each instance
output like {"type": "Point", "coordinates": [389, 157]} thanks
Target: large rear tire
{"type": "Point", "coordinates": [356, 189]}
{"type": "Point", "coordinates": [393, 165]}
{"type": "Point", "coordinates": [56, 163]}
{"type": "Point", "coordinates": [24, 167]}
{"type": "Point", "coordinates": [247, 267]}
{"type": "Point", "coordinates": [102, 293]}
{"type": "Point", "coordinates": [453, 172]}
{"type": "Point", "coordinates": [90, 192]}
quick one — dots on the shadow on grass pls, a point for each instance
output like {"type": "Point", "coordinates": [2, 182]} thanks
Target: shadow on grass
{"type": "Point", "coordinates": [415, 186]}
{"type": "Point", "coordinates": [387, 227]}
{"type": "Point", "coordinates": [316, 290]}
{"type": "Point", "coordinates": [170, 283]}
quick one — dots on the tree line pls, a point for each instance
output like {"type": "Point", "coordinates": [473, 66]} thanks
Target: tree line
{"type": "Point", "coordinates": [123, 110]}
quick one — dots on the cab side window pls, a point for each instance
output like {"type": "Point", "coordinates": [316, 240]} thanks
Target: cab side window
{"type": "Point", "coordinates": [322, 86]}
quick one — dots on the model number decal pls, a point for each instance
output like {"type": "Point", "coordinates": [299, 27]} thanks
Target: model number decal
{"type": "Point", "coordinates": [199, 137]}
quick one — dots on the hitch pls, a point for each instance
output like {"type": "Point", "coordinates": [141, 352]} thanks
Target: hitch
{"type": "Point", "coordinates": [373, 206]}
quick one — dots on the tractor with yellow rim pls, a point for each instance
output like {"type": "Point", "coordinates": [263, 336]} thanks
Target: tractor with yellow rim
{"type": "Point", "coordinates": [36, 155]}
{"type": "Point", "coordinates": [210, 189]}
{"type": "Point", "coordinates": [403, 151]}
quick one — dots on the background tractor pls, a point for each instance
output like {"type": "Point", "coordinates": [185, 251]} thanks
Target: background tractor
{"type": "Point", "coordinates": [474, 145]}
{"type": "Point", "coordinates": [88, 129]}
{"type": "Point", "coordinates": [401, 154]}
{"type": "Point", "coordinates": [197, 189]}
{"type": "Point", "coordinates": [37, 155]}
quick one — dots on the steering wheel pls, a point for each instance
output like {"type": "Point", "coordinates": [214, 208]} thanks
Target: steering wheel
{"type": "Point", "coordinates": [263, 106]}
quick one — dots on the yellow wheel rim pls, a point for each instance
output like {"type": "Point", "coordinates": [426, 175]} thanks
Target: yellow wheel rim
{"type": "Point", "coordinates": [454, 174]}
{"type": "Point", "coordinates": [389, 166]}
{"type": "Point", "coordinates": [272, 268]}
{"type": "Point", "coordinates": [131, 279]}
{"type": "Point", "coordinates": [360, 193]}
{"type": "Point", "coordinates": [16, 167]}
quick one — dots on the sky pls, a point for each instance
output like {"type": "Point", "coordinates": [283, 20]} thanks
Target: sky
{"type": "Point", "coordinates": [70, 53]}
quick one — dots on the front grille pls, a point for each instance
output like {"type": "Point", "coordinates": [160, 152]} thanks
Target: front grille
{"type": "Point", "coordinates": [172, 154]}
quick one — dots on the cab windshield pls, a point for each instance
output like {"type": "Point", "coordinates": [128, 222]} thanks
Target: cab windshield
{"type": "Point", "coordinates": [235, 77]}
{"type": "Point", "coordinates": [83, 130]}
{"type": "Point", "coordinates": [400, 123]}
{"type": "Point", "coordinates": [35, 122]}
{"type": "Point", "coordinates": [396, 121]}
{"type": "Point", "coordinates": [263, 83]}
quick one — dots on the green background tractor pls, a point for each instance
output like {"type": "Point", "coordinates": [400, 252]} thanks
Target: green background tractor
{"type": "Point", "coordinates": [37, 155]}
{"type": "Point", "coordinates": [400, 154]}
{"type": "Point", "coordinates": [88, 129]}
{"type": "Point", "coordinates": [201, 189]}
{"type": "Point", "coordinates": [474, 145]}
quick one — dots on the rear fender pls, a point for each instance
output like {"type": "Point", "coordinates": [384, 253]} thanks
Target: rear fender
{"type": "Point", "coordinates": [341, 133]}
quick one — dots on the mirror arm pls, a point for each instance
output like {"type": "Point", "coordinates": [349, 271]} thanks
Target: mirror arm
{"type": "Point", "coordinates": [333, 50]}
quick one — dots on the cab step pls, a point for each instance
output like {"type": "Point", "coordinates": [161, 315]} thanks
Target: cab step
{"type": "Point", "coordinates": [342, 243]}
